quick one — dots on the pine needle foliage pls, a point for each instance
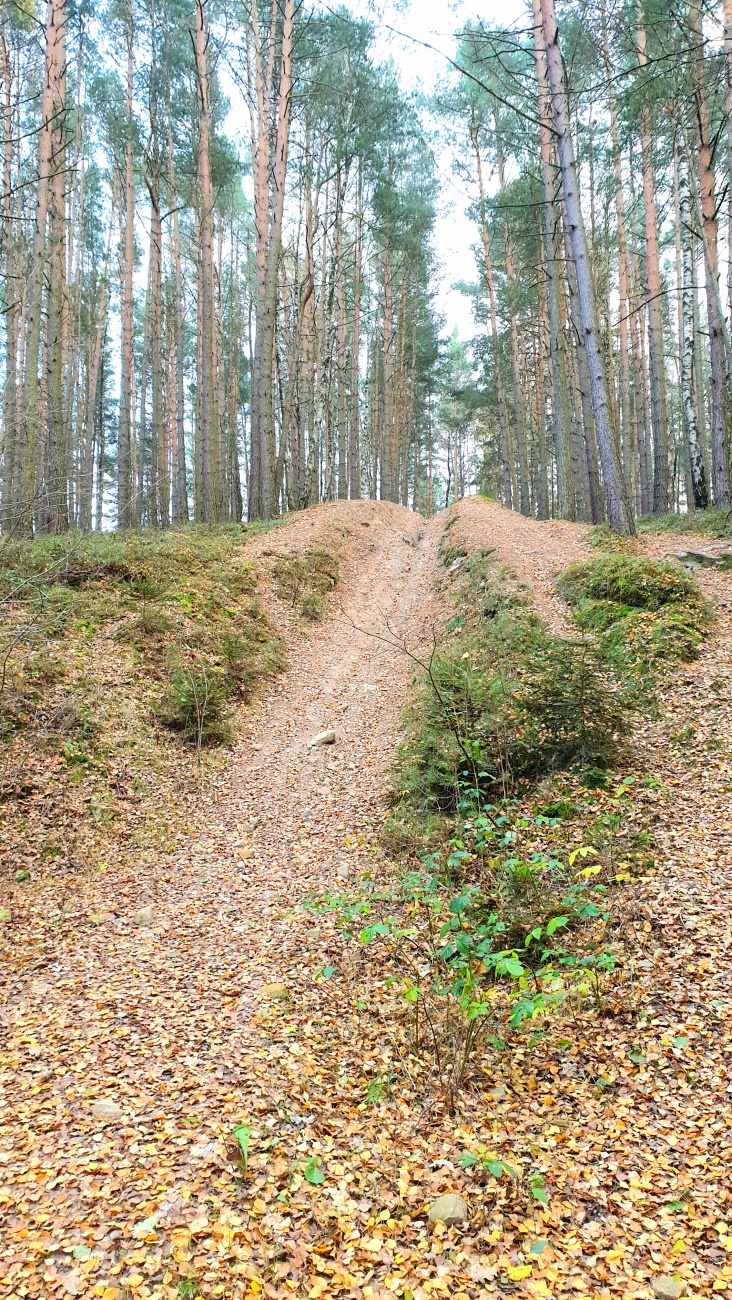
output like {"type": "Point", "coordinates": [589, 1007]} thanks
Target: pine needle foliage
{"type": "Point", "coordinates": [502, 702]}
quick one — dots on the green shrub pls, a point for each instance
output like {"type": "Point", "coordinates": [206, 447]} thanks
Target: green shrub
{"type": "Point", "coordinates": [642, 610]}
{"type": "Point", "coordinates": [195, 704]}
{"type": "Point", "coordinates": [150, 626]}
{"type": "Point", "coordinates": [44, 670]}
{"type": "Point", "coordinates": [502, 703]}
{"type": "Point", "coordinates": [250, 654]}
{"type": "Point", "coordinates": [524, 933]}
{"type": "Point", "coordinates": [572, 716]}
{"type": "Point", "coordinates": [312, 606]}
{"type": "Point", "coordinates": [625, 580]}
{"type": "Point", "coordinates": [602, 538]}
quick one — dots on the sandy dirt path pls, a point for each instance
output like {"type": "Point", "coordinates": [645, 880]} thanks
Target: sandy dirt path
{"type": "Point", "coordinates": [165, 1019]}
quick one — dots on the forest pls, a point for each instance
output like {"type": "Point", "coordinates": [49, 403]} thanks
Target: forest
{"type": "Point", "coordinates": [218, 264]}
{"type": "Point", "coordinates": [365, 649]}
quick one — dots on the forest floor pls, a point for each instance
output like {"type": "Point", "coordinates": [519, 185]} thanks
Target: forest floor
{"type": "Point", "coordinates": [178, 1020]}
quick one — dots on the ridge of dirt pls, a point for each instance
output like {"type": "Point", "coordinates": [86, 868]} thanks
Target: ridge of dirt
{"type": "Point", "coordinates": [169, 1019]}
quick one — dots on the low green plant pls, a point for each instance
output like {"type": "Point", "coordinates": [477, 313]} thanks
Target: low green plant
{"type": "Point", "coordinates": [183, 594]}
{"type": "Point", "coordinates": [502, 702]}
{"type": "Point", "coordinates": [642, 612]}
{"type": "Point", "coordinates": [312, 1173]}
{"type": "Point", "coordinates": [629, 581]}
{"type": "Point", "coordinates": [306, 579]}
{"type": "Point", "coordinates": [379, 1088]}
{"type": "Point", "coordinates": [487, 1162]}
{"type": "Point", "coordinates": [312, 606]}
{"type": "Point", "coordinates": [705, 523]}
{"type": "Point", "coordinates": [188, 1288]}
{"type": "Point", "coordinates": [152, 624]}
{"type": "Point", "coordinates": [465, 955]}
{"type": "Point", "coordinates": [249, 654]}
{"type": "Point", "coordinates": [196, 705]}
{"type": "Point", "coordinates": [602, 538]}
{"type": "Point", "coordinates": [242, 1134]}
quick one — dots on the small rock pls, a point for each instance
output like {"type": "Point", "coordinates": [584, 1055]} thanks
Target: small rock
{"type": "Point", "coordinates": [323, 738]}
{"type": "Point", "coordinates": [667, 1288]}
{"type": "Point", "coordinates": [107, 1112]}
{"type": "Point", "coordinates": [343, 872]}
{"type": "Point", "coordinates": [275, 992]}
{"type": "Point", "coordinates": [144, 916]}
{"type": "Point", "coordinates": [448, 1209]}
{"type": "Point", "coordinates": [700, 558]}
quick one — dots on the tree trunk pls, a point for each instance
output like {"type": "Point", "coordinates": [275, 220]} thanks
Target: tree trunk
{"type": "Point", "coordinates": [503, 444]}
{"type": "Point", "coordinates": [354, 448]}
{"type": "Point", "coordinates": [618, 505]}
{"type": "Point", "coordinates": [8, 244]}
{"type": "Point", "coordinates": [552, 269]}
{"type": "Point", "coordinates": [269, 208]}
{"type": "Point", "coordinates": [519, 415]}
{"type": "Point", "coordinates": [92, 393]}
{"type": "Point", "coordinates": [208, 440]}
{"type": "Point", "coordinates": [626, 429]}
{"type": "Point", "coordinates": [53, 509]}
{"type": "Point", "coordinates": [341, 351]}
{"type": "Point", "coordinates": [125, 432]}
{"type": "Point", "coordinates": [682, 443]}
{"type": "Point", "coordinates": [728, 117]}
{"type": "Point", "coordinates": [179, 504]}
{"type": "Point", "coordinates": [583, 439]}
{"type": "Point", "coordinates": [29, 442]}
{"type": "Point", "coordinates": [542, 488]}
{"type": "Point", "coordinates": [158, 508]}
{"type": "Point", "coordinates": [687, 360]}
{"type": "Point", "coordinates": [657, 369]}
{"type": "Point", "coordinates": [718, 359]}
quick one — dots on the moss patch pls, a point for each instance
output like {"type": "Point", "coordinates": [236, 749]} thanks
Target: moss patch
{"type": "Point", "coordinates": [644, 612]}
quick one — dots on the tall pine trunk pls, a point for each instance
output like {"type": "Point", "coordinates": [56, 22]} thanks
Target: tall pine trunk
{"type": "Point", "coordinates": [657, 368]}
{"type": "Point", "coordinates": [208, 407]}
{"type": "Point", "coordinates": [550, 222]}
{"type": "Point", "coordinates": [687, 359]}
{"type": "Point", "coordinates": [125, 431]}
{"type": "Point", "coordinates": [31, 433]}
{"type": "Point", "coordinates": [503, 440]}
{"type": "Point", "coordinates": [717, 350]}
{"type": "Point", "coordinates": [270, 175]}
{"type": "Point", "coordinates": [618, 505]}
